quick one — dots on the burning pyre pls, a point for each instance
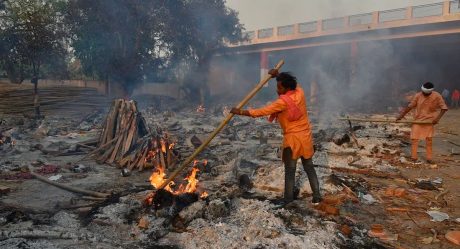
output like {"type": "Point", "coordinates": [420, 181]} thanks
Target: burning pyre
{"type": "Point", "coordinates": [158, 177]}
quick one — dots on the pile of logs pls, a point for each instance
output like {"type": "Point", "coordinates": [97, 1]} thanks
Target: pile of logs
{"type": "Point", "coordinates": [126, 141]}
{"type": "Point", "coordinates": [64, 100]}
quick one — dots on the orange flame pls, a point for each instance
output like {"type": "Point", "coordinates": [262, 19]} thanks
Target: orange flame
{"type": "Point", "coordinates": [158, 177]}
{"type": "Point", "coordinates": [163, 145]}
{"type": "Point", "coordinates": [204, 195]}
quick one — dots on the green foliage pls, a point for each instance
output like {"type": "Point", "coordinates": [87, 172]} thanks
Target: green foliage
{"type": "Point", "coordinates": [126, 41]}
{"type": "Point", "coordinates": [32, 34]}
{"type": "Point", "coordinates": [129, 41]}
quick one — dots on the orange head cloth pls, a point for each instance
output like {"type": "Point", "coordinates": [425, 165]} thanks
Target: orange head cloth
{"type": "Point", "coordinates": [294, 112]}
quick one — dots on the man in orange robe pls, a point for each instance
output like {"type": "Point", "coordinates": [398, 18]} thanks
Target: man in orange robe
{"type": "Point", "coordinates": [291, 112]}
{"type": "Point", "coordinates": [429, 106]}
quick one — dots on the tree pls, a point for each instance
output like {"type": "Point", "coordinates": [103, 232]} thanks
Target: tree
{"type": "Point", "coordinates": [33, 34]}
{"type": "Point", "coordinates": [128, 41]}
{"type": "Point", "coordinates": [213, 25]}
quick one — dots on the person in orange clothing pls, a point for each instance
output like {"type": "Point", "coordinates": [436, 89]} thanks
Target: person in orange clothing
{"type": "Point", "coordinates": [291, 112]}
{"type": "Point", "coordinates": [429, 106]}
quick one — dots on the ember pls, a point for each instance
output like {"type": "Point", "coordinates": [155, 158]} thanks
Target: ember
{"type": "Point", "coordinates": [200, 108]}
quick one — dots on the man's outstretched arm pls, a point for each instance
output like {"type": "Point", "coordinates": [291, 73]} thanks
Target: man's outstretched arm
{"type": "Point", "coordinates": [403, 113]}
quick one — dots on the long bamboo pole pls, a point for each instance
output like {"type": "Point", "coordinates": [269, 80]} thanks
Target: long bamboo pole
{"type": "Point", "coordinates": [69, 188]}
{"type": "Point", "coordinates": [386, 121]}
{"type": "Point", "coordinates": [219, 128]}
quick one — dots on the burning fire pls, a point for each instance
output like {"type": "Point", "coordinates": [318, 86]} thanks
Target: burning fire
{"type": "Point", "coordinates": [200, 108]}
{"type": "Point", "coordinates": [163, 145]}
{"type": "Point", "coordinates": [158, 177]}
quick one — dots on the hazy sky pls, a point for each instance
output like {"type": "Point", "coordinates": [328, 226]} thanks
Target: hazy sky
{"type": "Point", "coordinates": [257, 14]}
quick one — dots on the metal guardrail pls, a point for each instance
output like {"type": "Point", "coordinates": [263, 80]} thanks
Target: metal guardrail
{"type": "Point", "coordinates": [392, 15]}
{"type": "Point", "coordinates": [454, 7]}
{"type": "Point", "coordinates": [308, 27]}
{"type": "Point", "coordinates": [333, 23]}
{"type": "Point", "coordinates": [265, 33]}
{"type": "Point", "coordinates": [360, 19]}
{"type": "Point", "coordinates": [427, 10]}
{"type": "Point", "coordinates": [286, 30]}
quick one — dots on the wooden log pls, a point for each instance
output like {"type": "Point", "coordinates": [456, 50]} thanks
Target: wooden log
{"type": "Point", "coordinates": [386, 121]}
{"type": "Point", "coordinates": [115, 150]}
{"type": "Point", "coordinates": [129, 139]}
{"type": "Point", "coordinates": [140, 164]}
{"type": "Point", "coordinates": [109, 128]}
{"type": "Point", "coordinates": [69, 188]}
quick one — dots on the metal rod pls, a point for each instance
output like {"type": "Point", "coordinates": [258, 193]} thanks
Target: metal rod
{"type": "Point", "coordinates": [219, 128]}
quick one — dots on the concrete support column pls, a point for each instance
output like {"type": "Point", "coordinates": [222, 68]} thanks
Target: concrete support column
{"type": "Point", "coordinates": [446, 8]}
{"type": "Point", "coordinates": [296, 29]}
{"type": "Point", "coordinates": [409, 12]}
{"type": "Point", "coordinates": [375, 18]}
{"type": "Point", "coordinates": [263, 64]}
{"type": "Point", "coordinates": [319, 26]}
{"type": "Point", "coordinates": [346, 20]}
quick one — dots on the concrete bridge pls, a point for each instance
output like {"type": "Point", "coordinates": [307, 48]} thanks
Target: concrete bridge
{"type": "Point", "coordinates": [415, 21]}
{"type": "Point", "coordinates": [382, 50]}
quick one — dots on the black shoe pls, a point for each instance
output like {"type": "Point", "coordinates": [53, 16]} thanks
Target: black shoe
{"type": "Point", "coordinates": [280, 203]}
{"type": "Point", "coordinates": [316, 200]}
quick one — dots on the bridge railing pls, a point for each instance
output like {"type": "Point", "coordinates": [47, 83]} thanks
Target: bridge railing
{"type": "Point", "coordinates": [435, 12]}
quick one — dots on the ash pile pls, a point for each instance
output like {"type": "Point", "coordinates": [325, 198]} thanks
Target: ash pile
{"type": "Point", "coordinates": [227, 198]}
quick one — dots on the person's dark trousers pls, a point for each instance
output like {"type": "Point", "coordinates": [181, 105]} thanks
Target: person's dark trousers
{"type": "Point", "coordinates": [289, 175]}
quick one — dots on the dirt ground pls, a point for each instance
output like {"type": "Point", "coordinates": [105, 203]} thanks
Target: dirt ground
{"type": "Point", "coordinates": [447, 132]}
{"type": "Point", "coordinates": [357, 195]}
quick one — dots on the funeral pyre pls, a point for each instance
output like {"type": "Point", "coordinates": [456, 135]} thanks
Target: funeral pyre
{"type": "Point", "coordinates": [370, 201]}
{"type": "Point", "coordinates": [127, 142]}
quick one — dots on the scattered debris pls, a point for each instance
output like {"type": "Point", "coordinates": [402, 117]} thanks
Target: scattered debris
{"type": "Point", "coordinates": [232, 206]}
{"type": "Point", "coordinates": [438, 216]}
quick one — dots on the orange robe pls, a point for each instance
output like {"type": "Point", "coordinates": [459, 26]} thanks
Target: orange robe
{"type": "Point", "coordinates": [297, 134]}
{"type": "Point", "coordinates": [426, 108]}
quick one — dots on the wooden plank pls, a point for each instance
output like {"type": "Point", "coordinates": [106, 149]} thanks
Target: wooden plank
{"type": "Point", "coordinates": [109, 133]}
{"type": "Point", "coordinates": [141, 162]}
{"type": "Point", "coordinates": [129, 135]}
{"type": "Point", "coordinates": [115, 150]}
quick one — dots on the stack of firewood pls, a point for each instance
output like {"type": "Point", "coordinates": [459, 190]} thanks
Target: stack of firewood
{"type": "Point", "coordinates": [65, 101]}
{"type": "Point", "coordinates": [126, 141]}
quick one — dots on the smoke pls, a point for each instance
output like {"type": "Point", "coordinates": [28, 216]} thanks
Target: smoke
{"type": "Point", "coordinates": [367, 76]}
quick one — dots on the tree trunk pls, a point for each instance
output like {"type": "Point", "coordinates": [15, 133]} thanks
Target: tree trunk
{"type": "Point", "coordinates": [36, 98]}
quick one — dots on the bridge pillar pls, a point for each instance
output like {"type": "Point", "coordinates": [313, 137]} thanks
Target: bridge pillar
{"type": "Point", "coordinates": [446, 8]}
{"type": "Point", "coordinates": [263, 64]}
{"type": "Point", "coordinates": [409, 11]}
